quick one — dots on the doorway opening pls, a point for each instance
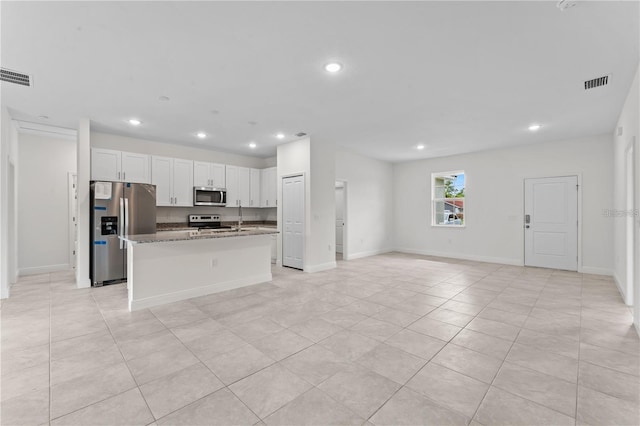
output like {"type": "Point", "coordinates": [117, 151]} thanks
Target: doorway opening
{"type": "Point", "coordinates": [341, 210]}
{"type": "Point", "coordinates": [551, 222]}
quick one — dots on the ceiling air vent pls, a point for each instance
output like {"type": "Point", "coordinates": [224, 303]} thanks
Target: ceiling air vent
{"type": "Point", "coordinates": [596, 82]}
{"type": "Point", "coordinates": [301, 134]}
{"type": "Point", "coordinates": [15, 77]}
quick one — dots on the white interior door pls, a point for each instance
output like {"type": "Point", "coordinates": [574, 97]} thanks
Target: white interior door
{"type": "Point", "coordinates": [551, 222]}
{"type": "Point", "coordinates": [293, 222]}
{"type": "Point", "coordinates": [339, 219]}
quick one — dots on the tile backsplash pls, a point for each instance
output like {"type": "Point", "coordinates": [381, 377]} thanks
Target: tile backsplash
{"type": "Point", "coordinates": [180, 214]}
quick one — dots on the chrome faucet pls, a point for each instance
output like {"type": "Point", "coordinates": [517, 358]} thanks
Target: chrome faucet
{"type": "Point", "coordinates": [239, 217]}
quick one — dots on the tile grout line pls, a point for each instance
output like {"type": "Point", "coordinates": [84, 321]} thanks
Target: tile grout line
{"type": "Point", "coordinates": [503, 361]}
{"type": "Point", "coordinates": [420, 369]}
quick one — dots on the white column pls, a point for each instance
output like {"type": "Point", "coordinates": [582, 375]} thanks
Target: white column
{"type": "Point", "coordinates": [84, 175]}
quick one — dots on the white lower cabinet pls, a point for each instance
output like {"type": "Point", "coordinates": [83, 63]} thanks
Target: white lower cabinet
{"type": "Point", "coordinates": [274, 248]}
{"type": "Point", "coordinates": [173, 178]}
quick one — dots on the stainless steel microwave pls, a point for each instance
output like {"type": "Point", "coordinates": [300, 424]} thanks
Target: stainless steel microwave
{"type": "Point", "coordinates": [207, 196]}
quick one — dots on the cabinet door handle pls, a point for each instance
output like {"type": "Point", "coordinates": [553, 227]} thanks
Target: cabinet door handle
{"type": "Point", "coordinates": [124, 175]}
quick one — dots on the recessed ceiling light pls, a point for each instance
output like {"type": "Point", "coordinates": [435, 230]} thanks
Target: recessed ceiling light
{"type": "Point", "coordinates": [201, 135]}
{"type": "Point", "coordinates": [252, 123]}
{"type": "Point", "coordinates": [421, 146]}
{"type": "Point", "coordinates": [44, 117]}
{"type": "Point", "coordinates": [135, 122]}
{"type": "Point", "coordinates": [280, 135]}
{"type": "Point", "coordinates": [163, 98]}
{"type": "Point", "coordinates": [534, 127]}
{"type": "Point", "coordinates": [333, 67]}
{"type": "Point", "coordinates": [252, 145]}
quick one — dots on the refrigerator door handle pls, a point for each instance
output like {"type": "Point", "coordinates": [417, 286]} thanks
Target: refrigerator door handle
{"type": "Point", "coordinates": [126, 216]}
{"type": "Point", "coordinates": [121, 218]}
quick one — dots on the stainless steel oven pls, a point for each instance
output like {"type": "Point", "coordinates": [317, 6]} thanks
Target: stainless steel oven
{"type": "Point", "coordinates": [207, 196]}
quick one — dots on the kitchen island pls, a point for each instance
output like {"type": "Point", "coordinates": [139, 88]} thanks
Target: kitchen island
{"type": "Point", "coordinates": [171, 266]}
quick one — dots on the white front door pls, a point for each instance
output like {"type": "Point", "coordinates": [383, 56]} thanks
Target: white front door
{"type": "Point", "coordinates": [293, 221]}
{"type": "Point", "coordinates": [339, 219]}
{"type": "Point", "coordinates": [551, 222]}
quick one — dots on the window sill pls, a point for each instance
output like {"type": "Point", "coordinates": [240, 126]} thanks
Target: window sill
{"type": "Point", "coordinates": [449, 226]}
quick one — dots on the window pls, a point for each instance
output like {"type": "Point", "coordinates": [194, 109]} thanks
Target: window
{"type": "Point", "coordinates": [447, 198]}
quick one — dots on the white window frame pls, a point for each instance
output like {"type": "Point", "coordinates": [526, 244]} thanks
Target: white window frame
{"type": "Point", "coordinates": [434, 199]}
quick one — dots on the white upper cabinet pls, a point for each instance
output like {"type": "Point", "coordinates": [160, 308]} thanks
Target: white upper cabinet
{"type": "Point", "coordinates": [182, 182]}
{"type": "Point", "coordinates": [231, 176]}
{"type": "Point", "coordinates": [201, 174]}
{"type": "Point", "coordinates": [254, 188]}
{"type": "Point", "coordinates": [162, 177]}
{"type": "Point", "coordinates": [106, 164]}
{"type": "Point", "coordinates": [268, 192]}
{"type": "Point", "coordinates": [244, 186]}
{"type": "Point", "coordinates": [119, 166]}
{"type": "Point", "coordinates": [208, 174]}
{"type": "Point", "coordinates": [173, 178]}
{"type": "Point", "coordinates": [135, 168]}
{"type": "Point", "coordinates": [218, 176]}
{"type": "Point", "coordinates": [238, 183]}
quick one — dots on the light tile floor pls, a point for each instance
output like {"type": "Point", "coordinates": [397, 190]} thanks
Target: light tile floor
{"type": "Point", "coordinates": [393, 339]}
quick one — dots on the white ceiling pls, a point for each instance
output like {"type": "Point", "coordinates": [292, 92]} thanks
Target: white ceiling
{"type": "Point", "coordinates": [455, 76]}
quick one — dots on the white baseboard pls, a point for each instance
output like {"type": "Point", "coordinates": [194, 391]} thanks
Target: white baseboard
{"type": "Point", "coordinates": [177, 296]}
{"type": "Point", "coordinates": [43, 269]}
{"type": "Point", "coordinates": [462, 256]}
{"type": "Point", "coordinates": [596, 271]}
{"type": "Point", "coordinates": [351, 256]}
{"type": "Point", "coordinates": [621, 290]}
{"type": "Point", "coordinates": [320, 267]}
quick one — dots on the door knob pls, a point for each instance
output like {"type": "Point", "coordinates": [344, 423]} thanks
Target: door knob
{"type": "Point", "coordinates": [527, 226]}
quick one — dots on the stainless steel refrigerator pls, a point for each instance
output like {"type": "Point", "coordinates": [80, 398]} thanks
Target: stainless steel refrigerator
{"type": "Point", "coordinates": [118, 209]}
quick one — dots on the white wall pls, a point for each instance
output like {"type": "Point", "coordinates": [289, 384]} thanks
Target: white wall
{"type": "Point", "coordinates": [629, 121]}
{"type": "Point", "coordinates": [369, 204]}
{"type": "Point", "coordinates": [43, 203]}
{"type": "Point", "coordinates": [8, 202]}
{"type": "Point", "coordinates": [123, 143]}
{"type": "Point", "coordinates": [495, 201]}
{"type": "Point", "coordinates": [322, 250]}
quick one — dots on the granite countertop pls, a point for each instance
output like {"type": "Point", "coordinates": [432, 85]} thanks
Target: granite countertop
{"type": "Point", "coordinates": [187, 235]}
